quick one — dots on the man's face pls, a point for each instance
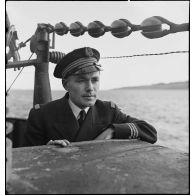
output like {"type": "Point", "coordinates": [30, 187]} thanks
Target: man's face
{"type": "Point", "coordinates": [83, 88]}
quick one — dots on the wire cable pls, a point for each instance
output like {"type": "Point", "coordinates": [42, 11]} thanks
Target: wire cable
{"type": "Point", "coordinates": [17, 76]}
{"type": "Point", "coordinates": [149, 54]}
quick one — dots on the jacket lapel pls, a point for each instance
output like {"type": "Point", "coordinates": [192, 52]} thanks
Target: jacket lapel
{"type": "Point", "coordinates": [66, 124]}
{"type": "Point", "coordinates": [90, 128]}
{"type": "Point", "coordinates": [87, 127]}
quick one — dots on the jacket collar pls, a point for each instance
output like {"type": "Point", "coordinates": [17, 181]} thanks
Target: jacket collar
{"type": "Point", "coordinates": [75, 109]}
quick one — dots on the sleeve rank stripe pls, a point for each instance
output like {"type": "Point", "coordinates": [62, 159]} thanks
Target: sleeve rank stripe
{"type": "Point", "coordinates": [132, 131]}
{"type": "Point", "coordinates": [136, 131]}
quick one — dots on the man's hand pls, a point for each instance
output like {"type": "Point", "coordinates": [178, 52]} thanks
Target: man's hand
{"type": "Point", "coordinates": [107, 134]}
{"type": "Point", "coordinates": [62, 143]}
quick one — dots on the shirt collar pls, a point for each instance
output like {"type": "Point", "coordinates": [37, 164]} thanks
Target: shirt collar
{"type": "Point", "coordinates": [75, 109]}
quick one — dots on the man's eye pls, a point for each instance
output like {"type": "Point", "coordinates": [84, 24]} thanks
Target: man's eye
{"type": "Point", "coordinates": [80, 80]}
{"type": "Point", "coordinates": [95, 80]}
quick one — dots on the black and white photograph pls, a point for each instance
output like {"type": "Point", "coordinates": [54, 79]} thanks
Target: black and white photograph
{"type": "Point", "coordinates": [97, 97]}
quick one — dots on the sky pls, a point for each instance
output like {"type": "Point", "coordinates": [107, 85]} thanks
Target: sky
{"type": "Point", "coordinates": [116, 72]}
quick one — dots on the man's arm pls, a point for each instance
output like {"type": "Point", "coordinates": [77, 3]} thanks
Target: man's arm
{"type": "Point", "coordinates": [34, 134]}
{"type": "Point", "coordinates": [123, 126]}
{"type": "Point", "coordinates": [128, 127]}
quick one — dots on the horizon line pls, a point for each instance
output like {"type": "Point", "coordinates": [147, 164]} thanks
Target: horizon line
{"type": "Point", "coordinates": [147, 85]}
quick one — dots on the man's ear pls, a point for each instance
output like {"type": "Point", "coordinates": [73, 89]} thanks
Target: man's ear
{"type": "Point", "coordinates": [65, 84]}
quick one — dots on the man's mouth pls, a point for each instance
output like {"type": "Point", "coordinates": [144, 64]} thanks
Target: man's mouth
{"type": "Point", "coordinates": [89, 96]}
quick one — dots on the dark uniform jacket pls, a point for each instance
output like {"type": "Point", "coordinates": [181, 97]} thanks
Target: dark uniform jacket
{"type": "Point", "coordinates": [55, 120]}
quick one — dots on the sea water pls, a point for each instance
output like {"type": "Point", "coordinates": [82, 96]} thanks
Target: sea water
{"type": "Point", "coordinates": [166, 110]}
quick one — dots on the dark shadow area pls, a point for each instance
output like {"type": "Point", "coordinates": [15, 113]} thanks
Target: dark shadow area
{"type": "Point", "coordinates": [17, 135]}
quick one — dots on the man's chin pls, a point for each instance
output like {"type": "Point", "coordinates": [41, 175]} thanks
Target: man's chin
{"type": "Point", "coordinates": [89, 103]}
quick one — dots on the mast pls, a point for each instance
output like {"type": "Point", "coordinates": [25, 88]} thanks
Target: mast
{"type": "Point", "coordinates": [42, 89]}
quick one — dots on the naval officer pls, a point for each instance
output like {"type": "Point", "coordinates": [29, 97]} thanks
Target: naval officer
{"type": "Point", "coordinates": [80, 115]}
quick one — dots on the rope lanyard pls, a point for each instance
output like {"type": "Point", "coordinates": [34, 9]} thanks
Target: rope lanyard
{"type": "Point", "coordinates": [17, 76]}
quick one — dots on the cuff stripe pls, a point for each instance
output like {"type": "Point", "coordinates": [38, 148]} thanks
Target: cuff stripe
{"type": "Point", "coordinates": [133, 134]}
{"type": "Point", "coordinates": [130, 130]}
{"type": "Point", "coordinates": [134, 131]}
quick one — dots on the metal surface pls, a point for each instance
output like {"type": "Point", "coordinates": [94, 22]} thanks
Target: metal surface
{"type": "Point", "coordinates": [42, 89]}
{"type": "Point", "coordinates": [112, 166]}
{"type": "Point", "coordinates": [54, 57]}
{"type": "Point", "coordinates": [20, 64]}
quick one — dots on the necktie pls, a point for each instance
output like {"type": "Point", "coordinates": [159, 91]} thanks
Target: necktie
{"type": "Point", "coordinates": [82, 117]}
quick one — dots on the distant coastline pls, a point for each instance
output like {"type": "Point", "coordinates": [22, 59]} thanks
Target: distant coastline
{"type": "Point", "coordinates": [171, 85]}
{"type": "Point", "coordinates": [183, 85]}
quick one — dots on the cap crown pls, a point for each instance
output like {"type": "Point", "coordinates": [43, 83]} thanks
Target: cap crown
{"type": "Point", "coordinates": [69, 61]}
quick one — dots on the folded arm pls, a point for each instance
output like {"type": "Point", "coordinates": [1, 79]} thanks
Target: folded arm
{"type": "Point", "coordinates": [125, 127]}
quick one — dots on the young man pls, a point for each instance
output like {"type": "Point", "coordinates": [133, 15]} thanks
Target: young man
{"type": "Point", "coordinates": [79, 115]}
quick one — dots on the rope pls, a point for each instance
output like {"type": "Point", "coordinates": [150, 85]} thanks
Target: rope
{"type": "Point", "coordinates": [150, 54]}
{"type": "Point", "coordinates": [20, 45]}
{"type": "Point", "coordinates": [17, 76]}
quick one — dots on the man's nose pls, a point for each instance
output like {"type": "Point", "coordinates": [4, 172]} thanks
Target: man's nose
{"type": "Point", "coordinates": [89, 86]}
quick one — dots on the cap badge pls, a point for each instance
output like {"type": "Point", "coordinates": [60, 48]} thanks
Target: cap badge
{"type": "Point", "coordinates": [88, 52]}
